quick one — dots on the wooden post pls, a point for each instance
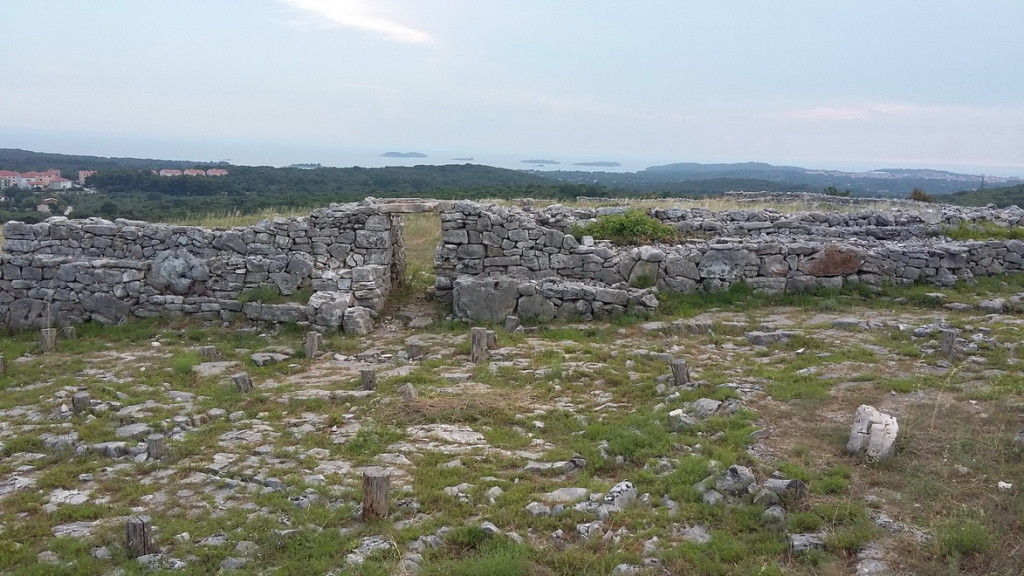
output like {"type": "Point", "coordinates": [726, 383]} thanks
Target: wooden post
{"type": "Point", "coordinates": [680, 372]}
{"type": "Point", "coordinates": [312, 343]}
{"type": "Point", "coordinates": [414, 350]}
{"type": "Point", "coordinates": [407, 392]}
{"type": "Point", "coordinates": [376, 483]}
{"type": "Point", "coordinates": [140, 537]}
{"type": "Point", "coordinates": [69, 332]}
{"type": "Point", "coordinates": [48, 339]}
{"type": "Point", "coordinates": [948, 342]}
{"type": "Point", "coordinates": [242, 382]}
{"type": "Point", "coordinates": [511, 323]}
{"type": "Point", "coordinates": [478, 345]}
{"type": "Point", "coordinates": [155, 448]}
{"type": "Point", "coordinates": [368, 379]}
{"type": "Point", "coordinates": [80, 402]}
{"type": "Point", "coordinates": [3, 365]}
{"type": "Point", "coordinates": [492, 340]}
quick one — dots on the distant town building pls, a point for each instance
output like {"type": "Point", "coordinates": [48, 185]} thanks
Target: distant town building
{"type": "Point", "coordinates": [83, 174]}
{"type": "Point", "coordinates": [216, 172]}
{"type": "Point", "coordinates": [8, 179]}
{"type": "Point", "coordinates": [170, 172]}
{"type": "Point", "coordinates": [195, 172]}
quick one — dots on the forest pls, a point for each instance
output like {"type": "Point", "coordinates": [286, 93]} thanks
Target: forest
{"type": "Point", "coordinates": [128, 188]}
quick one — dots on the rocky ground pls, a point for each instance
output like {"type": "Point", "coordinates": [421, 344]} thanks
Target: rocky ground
{"type": "Point", "coordinates": [570, 449]}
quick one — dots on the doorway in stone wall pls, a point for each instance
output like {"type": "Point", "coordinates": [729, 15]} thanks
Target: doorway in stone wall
{"type": "Point", "coordinates": [421, 233]}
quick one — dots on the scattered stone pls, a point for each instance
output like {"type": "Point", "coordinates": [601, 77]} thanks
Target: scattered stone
{"type": "Point", "coordinates": [737, 480]}
{"type": "Point", "coordinates": [233, 563]}
{"type": "Point", "coordinates": [696, 533]}
{"type": "Point", "coordinates": [538, 509]}
{"type": "Point", "coordinates": [873, 433]}
{"type": "Point", "coordinates": [267, 358]}
{"type": "Point", "coordinates": [800, 543]}
{"type": "Point", "coordinates": [48, 557]}
{"type": "Point", "coordinates": [137, 431]}
{"type": "Point", "coordinates": [993, 306]}
{"type": "Point", "coordinates": [567, 495]}
{"type": "Point", "coordinates": [621, 495]}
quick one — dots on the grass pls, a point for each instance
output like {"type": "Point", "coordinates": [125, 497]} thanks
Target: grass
{"type": "Point", "coordinates": [983, 230]}
{"type": "Point", "coordinates": [601, 391]}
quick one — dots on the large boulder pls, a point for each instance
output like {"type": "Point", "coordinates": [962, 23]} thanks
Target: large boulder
{"type": "Point", "coordinates": [726, 263]}
{"type": "Point", "coordinates": [106, 308]}
{"type": "Point", "coordinates": [176, 271]}
{"type": "Point", "coordinates": [485, 299]}
{"type": "Point", "coordinates": [873, 433]}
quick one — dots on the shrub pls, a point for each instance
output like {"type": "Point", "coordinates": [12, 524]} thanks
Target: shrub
{"type": "Point", "coordinates": [961, 537]}
{"type": "Point", "coordinates": [632, 227]}
{"type": "Point", "coordinates": [919, 195]}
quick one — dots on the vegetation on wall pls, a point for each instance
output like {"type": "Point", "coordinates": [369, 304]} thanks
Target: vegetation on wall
{"type": "Point", "coordinates": [630, 228]}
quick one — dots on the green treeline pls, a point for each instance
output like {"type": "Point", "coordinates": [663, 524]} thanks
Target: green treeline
{"type": "Point", "coordinates": [1001, 197]}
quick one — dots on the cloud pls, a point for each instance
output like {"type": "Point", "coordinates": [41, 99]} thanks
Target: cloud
{"type": "Point", "coordinates": [857, 112]}
{"type": "Point", "coordinates": [359, 14]}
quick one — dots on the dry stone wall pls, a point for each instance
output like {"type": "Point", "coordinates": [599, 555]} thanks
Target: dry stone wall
{"type": "Point", "coordinates": [64, 271]}
{"type": "Point", "coordinates": [496, 260]}
{"type": "Point", "coordinates": [492, 261]}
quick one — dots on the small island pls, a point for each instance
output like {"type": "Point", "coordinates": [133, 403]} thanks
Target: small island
{"type": "Point", "coordinates": [403, 155]}
{"type": "Point", "coordinates": [601, 164]}
{"type": "Point", "coordinates": [535, 161]}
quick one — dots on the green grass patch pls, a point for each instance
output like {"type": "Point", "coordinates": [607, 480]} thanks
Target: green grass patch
{"type": "Point", "coordinates": [983, 230]}
{"type": "Point", "coordinates": [631, 228]}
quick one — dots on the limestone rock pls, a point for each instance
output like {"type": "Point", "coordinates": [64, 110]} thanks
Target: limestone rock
{"type": "Point", "coordinates": [488, 299]}
{"type": "Point", "coordinates": [736, 480]}
{"type": "Point", "coordinates": [357, 320]}
{"type": "Point", "coordinates": [873, 433]}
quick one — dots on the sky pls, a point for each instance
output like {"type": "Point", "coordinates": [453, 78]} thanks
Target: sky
{"type": "Point", "coordinates": [823, 84]}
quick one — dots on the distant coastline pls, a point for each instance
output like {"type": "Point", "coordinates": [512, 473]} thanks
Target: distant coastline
{"type": "Point", "coordinates": [601, 164]}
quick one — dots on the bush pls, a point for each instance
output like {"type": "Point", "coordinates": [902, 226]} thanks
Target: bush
{"type": "Point", "coordinates": [919, 195]}
{"type": "Point", "coordinates": [961, 537]}
{"type": "Point", "coordinates": [630, 228]}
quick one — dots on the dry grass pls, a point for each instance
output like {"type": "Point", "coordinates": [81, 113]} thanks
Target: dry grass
{"type": "Point", "coordinates": [461, 407]}
{"type": "Point", "coordinates": [235, 218]}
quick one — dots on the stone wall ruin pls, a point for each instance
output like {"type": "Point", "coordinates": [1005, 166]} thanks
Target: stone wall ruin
{"type": "Point", "coordinates": [495, 261]}
{"type": "Point", "coordinates": [339, 264]}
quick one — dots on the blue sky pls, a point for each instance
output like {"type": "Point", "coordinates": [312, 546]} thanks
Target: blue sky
{"type": "Point", "coordinates": [814, 83]}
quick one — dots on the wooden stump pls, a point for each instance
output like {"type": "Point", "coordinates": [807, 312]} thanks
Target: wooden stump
{"type": "Point", "coordinates": [80, 402]}
{"type": "Point", "coordinates": [948, 343]}
{"type": "Point", "coordinates": [492, 340]}
{"type": "Point", "coordinates": [680, 372]}
{"type": "Point", "coordinates": [139, 536]}
{"type": "Point", "coordinates": [511, 323]}
{"type": "Point", "coordinates": [69, 332]}
{"type": "Point", "coordinates": [478, 345]}
{"type": "Point", "coordinates": [407, 392]}
{"type": "Point", "coordinates": [368, 379]}
{"type": "Point", "coordinates": [242, 382]}
{"type": "Point", "coordinates": [414, 350]}
{"type": "Point", "coordinates": [376, 483]}
{"type": "Point", "coordinates": [155, 448]}
{"type": "Point", "coordinates": [48, 339]}
{"type": "Point", "coordinates": [312, 343]}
